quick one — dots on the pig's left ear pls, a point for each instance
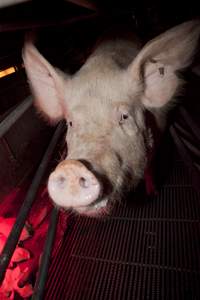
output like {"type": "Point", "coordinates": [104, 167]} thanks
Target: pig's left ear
{"type": "Point", "coordinates": [156, 65]}
{"type": "Point", "coordinates": [46, 83]}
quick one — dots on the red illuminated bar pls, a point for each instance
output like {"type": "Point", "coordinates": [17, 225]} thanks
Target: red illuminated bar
{"type": "Point", "coordinates": [44, 266]}
{"type": "Point", "coordinates": [27, 204]}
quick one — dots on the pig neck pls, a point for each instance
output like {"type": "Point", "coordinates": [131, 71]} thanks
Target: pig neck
{"type": "Point", "coordinates": [152, 137]}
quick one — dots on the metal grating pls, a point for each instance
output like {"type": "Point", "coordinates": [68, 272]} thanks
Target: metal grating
{"type": "Point", "coordinates": [144, 250]}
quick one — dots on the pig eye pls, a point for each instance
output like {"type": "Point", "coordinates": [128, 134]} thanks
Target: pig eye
{"type": "Point", "coordinates": [123, 118]}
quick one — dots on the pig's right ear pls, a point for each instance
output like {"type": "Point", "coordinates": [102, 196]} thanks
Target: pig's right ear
{"type": "Point", "coordinates": [46, 83]}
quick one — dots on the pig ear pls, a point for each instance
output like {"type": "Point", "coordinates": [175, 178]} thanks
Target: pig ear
{"type": "Point", "coordinates": [156, 65]}
{"type": "Point", "coordinates": [46, 83]}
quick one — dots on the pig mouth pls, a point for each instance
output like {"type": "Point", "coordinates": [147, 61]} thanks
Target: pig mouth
{"type": "Point", "coordinates": [94, 210]}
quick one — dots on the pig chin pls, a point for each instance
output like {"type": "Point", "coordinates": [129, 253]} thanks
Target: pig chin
{"type": "Point", "coordinates": [94, 210]}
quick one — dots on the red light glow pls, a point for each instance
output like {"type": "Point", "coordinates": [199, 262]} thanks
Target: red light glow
{"type": "Point", "coordinates": [21, 273]}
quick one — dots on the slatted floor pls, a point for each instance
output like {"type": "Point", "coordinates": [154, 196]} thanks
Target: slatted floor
{"type": "Point", "coordinates": [147, 249]}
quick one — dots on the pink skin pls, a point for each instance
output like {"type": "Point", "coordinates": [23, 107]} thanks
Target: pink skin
{"type": "Point", "coordinates": [105, 102]}
{"type": "Point", "coordinates": [73, 185]}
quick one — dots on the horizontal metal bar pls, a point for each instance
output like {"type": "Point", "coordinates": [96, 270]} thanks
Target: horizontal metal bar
{"type": "Point", "coordinates": [27, 204]}
{"type": "Point", "coordinates": [26, 25]}
{"type": "Point", "coordinates": [46, 256]}
{"type": "Point", "coordinates": [5, 3]}
{"type": "Point", "coordinates": [84, 3]}
{"type": "Point", "coordinates": [14, 115]}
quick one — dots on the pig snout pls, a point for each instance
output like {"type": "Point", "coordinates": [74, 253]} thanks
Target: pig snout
{"type": "Point", "coordinates": [73, 185]}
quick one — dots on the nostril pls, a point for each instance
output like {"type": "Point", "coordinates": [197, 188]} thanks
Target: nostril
{"type": "Point", "coordinates": [61, 181]}
{"type": "Point", "coordinates": [72, 185]}
{"type": "Point", "coordinates": [84, 182]}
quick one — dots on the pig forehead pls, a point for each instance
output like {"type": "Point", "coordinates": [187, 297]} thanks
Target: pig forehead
{"type": "Point", "coordinates": [107, 87]}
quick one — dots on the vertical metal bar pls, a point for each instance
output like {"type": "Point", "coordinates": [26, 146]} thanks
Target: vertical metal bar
{"type": "Point", "coordinates": [26, 206]}
{"type": "Point", "coordinates": [46, 256]}
{"type": "Point", "coordinates": [15, 115]}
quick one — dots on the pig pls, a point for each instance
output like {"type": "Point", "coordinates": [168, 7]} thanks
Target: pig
{"type": "Point", "coordinates": [107, 104]}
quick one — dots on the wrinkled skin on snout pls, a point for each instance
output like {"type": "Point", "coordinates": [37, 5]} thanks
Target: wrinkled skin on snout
{"type": "Point", "coordinates": [104, 105]}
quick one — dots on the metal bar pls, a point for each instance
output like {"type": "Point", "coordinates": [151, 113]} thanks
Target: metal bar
{"type": "Point", "coordinates": [190, 122]}
{"type": "Point", "coordinates": [46, 256]}
{"type": "Point", "coordinates": [84, 3]}
{"type": "Point", "coordinates": [5, 3]}
{"type": "Point", "coordinates": [186, 157]}
{"type": "Point", "coordinates": [24, 25]}
{"type": "Point", "coordinates": [178, 142]}
{"type": "Point", "coordinates": [14, 115]}
{"type": "Point", "coordinates": [27, 204]}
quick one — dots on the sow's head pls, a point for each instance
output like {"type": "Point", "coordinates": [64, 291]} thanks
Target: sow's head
{"type": "Point", "coordinates": [105, 105]}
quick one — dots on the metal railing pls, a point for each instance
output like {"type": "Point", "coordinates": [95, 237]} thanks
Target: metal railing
{"type": "Point", "coordinates": [44, 266]}
{"type": "Point", "coordinates": [15, 233]}
{"type": "Point", "coordinates": [14, 115]}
